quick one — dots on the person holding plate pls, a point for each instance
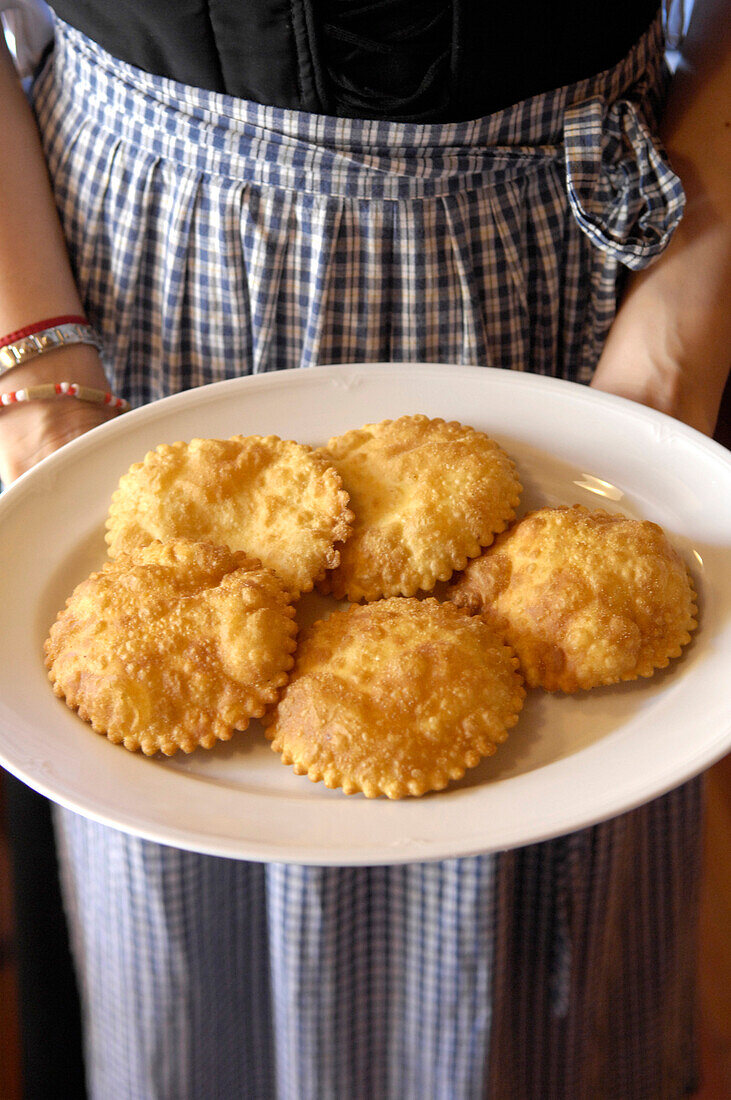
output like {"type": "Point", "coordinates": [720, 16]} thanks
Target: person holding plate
{"type": "Point", "coordinates": [246, 188]}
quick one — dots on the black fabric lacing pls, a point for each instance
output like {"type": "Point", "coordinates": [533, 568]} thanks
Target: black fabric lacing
{"type": "Point", "coordinates": [404, 74]}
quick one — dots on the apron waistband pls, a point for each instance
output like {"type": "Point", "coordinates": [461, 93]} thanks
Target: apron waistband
{"type": "Point", "coordinates": [621, 190]}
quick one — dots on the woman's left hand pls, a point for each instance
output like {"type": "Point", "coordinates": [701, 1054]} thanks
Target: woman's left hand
{"type": "Point", "coordinates": [670, 344]}
{"type": "Point", "coordinates": [668, 347]}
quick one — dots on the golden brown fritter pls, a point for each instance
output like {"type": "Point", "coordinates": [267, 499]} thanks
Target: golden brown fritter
{"type": "Point", "coordinates": [585, 598]}
{"type": "Point", "coordinates": [173, 647]}
{"type": "Point", "coordinates": [396, 697]}
{"type": "Point", "coordinates": [427, 495]}
{"type": "Point", "coordinates": [277, 501]}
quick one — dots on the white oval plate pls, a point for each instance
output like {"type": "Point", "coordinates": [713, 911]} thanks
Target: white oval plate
{"type": "Point", "coordinates": [570, 762]}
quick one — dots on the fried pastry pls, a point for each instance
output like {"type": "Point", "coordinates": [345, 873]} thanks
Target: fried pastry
{"type": "Point", "coordinates": [585, 598]}
{"type": "Point", "coordinates": [174, 646]}
{"type": "Point", "coordinates": [277, 501]}
{"type": "Point", "coordinates": [427, 495]}
{"type": "Point", "coordinates": [396, 697]}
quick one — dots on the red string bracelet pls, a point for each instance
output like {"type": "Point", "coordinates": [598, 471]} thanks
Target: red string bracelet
{"type": "Point", "coordinates": [39, 326]}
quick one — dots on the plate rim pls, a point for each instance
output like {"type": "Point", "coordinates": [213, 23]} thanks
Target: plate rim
{"type": "Point", "coordinates": [74, 452]}
{"type": "Point", "coordinates": [628, 408]}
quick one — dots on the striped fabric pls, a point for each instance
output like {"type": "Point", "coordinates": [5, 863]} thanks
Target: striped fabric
{"type": "Point", "coordinates": [213, 237]}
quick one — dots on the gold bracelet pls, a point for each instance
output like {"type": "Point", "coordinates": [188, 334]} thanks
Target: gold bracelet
{"type": "Point", "coordinates": [48, 339]}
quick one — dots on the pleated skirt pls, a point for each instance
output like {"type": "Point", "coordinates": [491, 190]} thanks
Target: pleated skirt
{"type": "Point", "coordinates": [213, 237]}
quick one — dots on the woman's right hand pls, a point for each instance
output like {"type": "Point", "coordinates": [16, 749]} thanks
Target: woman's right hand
{"type": "Point", "coordinates": [35, 429]}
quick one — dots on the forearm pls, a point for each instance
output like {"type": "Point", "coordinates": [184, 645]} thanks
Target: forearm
{"type": "Point", "coordinates": [670, 345]}
{"type": "Point", "coordinates": [35, 277]}
{"type": "Point", "coordinates": [36, 282]}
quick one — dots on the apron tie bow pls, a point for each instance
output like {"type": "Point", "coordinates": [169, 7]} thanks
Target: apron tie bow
{"type": "Point", "coordinates": [621, 188]}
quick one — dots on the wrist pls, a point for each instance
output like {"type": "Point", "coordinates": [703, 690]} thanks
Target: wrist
{"type": "Point", "coordinates": [76, 362]}
{"type": "Point", "coordinates": [668, 347]}
{"type": "Point", "coordinates": [665, 387]}
{"type": "Point", "coordinates": [33, 431]}
{"type": "Point", "coordinates": [654, 372]}
{"type": "Point", "coordinates": [30, 432]}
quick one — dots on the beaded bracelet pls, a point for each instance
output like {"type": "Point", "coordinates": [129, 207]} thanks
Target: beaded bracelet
{"type": "Point", "coordinates": [65, 389]}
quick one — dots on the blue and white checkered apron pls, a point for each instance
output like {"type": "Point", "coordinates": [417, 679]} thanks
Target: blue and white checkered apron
{"type": "Point", "coordinates": [213, 237]}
